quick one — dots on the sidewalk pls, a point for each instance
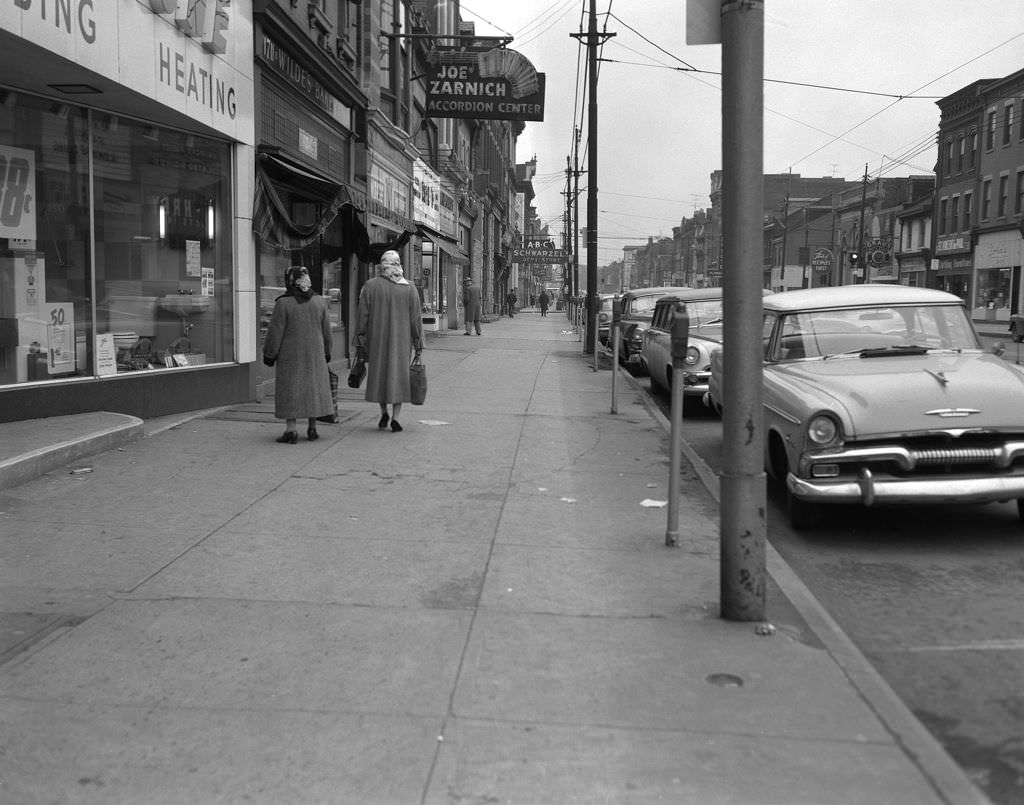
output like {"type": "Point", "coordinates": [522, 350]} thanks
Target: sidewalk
{"type": "Point", "coordinates": [476, 610]}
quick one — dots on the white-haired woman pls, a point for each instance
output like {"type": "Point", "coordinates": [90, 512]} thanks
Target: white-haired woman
{"type": "Point", "coordinates": [389, 334]}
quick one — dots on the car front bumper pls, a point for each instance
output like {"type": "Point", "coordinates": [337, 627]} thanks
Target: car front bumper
{"type": "Point", "coordinates": [869, 489]}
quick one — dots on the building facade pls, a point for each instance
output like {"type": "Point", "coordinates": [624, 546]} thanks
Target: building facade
{"type": "Point", "coordinates": [126, 162]}
{"type": "Point", "coordinates": [162, 162]}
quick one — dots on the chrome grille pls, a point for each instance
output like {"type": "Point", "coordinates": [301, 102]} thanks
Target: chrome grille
{"type": "Point", "coordinates": [946, 456]}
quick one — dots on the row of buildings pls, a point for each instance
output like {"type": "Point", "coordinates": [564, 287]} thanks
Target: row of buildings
{"type": "Point", "coordinates": [960, 230]}
{"type": "Point", "coordinates": [162, 162]}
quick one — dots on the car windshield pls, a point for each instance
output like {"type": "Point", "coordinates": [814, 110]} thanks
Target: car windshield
{"type": "Point", "coordinates": [704, 312]}
{"type": "Point", "coordinates": [643, 305]}
{"type": "Point", "coordinates": [874, 331]}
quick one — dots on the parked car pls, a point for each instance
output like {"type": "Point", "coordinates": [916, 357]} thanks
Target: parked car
{"type": "Point", "coordinates": [882, 395]}
{"type": "Point", "coordinates": [637, 311]}
{"type": "Point", "coordinates": [704, 310]}
{"type": "Point", "coordinates": [604, 317]}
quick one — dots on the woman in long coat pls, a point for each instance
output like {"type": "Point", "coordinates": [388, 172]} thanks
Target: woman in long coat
{"type": "Point", "coordinates": [298, 343]}
{"type": "Point", "coordinates": [389, 334]}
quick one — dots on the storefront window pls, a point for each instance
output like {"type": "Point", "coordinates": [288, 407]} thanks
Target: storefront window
{"type": "Point", "coordinates": [115, 244]}
{"type": "Point", "coordinates": [992, 295]}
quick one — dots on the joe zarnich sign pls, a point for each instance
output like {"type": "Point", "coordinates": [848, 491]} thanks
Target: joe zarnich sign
{"type": "Point", "coordinates": [495, 84]}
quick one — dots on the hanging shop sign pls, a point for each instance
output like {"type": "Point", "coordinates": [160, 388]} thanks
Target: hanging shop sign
{"type": "Point", "coordinates": [822, 260]}
{"type": "Point", "coordinates": [538, 249]}
{"type": "Point", "coordinates": [494, 84]}
{"type": "Point", "coordinates": [426, 195]}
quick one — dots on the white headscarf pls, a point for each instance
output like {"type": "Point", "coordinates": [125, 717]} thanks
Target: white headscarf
{"type": "Point", "coordinates": [391, 267]}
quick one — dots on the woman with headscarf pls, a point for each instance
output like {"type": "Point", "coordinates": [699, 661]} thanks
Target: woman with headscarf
{"type": "Point", "coordinates": [389, 334]}
{"type": "Point", "coordinates": [299, 344]}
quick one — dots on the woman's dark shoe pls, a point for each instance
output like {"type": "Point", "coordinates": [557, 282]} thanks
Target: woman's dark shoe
{"type": "Point", "coordinates": [330, 419]}
{"type": "Point", "coordinates": [395, 427]}
{"type": "Point", "coordinates": [383, 423]}
{"type": "Point", "coordinates": [311, 434]}
{"type": "Point", "coordinates": [289, 437]}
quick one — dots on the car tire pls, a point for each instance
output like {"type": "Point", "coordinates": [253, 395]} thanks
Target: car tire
{"type": "Point", "coordinates": [802, 514]}
{"type": "Point", "coordinates": [656, 386]}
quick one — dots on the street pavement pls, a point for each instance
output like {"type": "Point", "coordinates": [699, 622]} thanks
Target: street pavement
{"type": "Point", "coordinates": [480, 609]}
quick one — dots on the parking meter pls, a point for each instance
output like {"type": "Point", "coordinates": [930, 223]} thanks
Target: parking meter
{"type": "Point", "coordinates": [680, 335]}
{"type": "Point", "coordinates": [614, 339]}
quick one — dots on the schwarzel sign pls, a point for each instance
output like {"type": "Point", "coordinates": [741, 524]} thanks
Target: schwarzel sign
{"type": "Point", "coordinates": [495, 84]}
{"type": "Point", "coordinates": [538, 250]}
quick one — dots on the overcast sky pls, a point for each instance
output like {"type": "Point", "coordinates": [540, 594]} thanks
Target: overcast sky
{"type": "Point", "coordinates": [659, 130]}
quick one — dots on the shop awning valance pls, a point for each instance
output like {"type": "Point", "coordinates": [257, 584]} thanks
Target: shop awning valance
{"type": "Point", "coordinates": [272, 221]}
{"type": "Point", "coordinates": [444, 244]}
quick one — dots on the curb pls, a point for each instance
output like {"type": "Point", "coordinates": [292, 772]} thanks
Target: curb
{"type": "Point", "coordinates": [948, 779]}
{"type": "Point", "coordinates": [34, 463]}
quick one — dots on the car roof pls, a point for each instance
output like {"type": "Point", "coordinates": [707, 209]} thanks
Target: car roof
{"type": "Point", "coordinates": [694, 294]}
{"type": "Point", "coordinates": [856, 296]}
{"type": "Point", "coordinates": [659, 291]}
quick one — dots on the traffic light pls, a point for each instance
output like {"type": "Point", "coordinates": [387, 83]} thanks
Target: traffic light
{"type": "Point", "coordinates": [854, 258]}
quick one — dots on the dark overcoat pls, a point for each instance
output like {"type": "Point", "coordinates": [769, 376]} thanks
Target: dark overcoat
{"type": "Point", "coordinates": [389, 329]}
{"type": "Point", "coordinates": [471, 301]}
{"type": "Point", "coordinates": [299, 340]}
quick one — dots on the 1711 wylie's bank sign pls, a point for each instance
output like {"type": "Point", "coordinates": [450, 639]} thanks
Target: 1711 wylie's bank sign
{"type": "Point", "coordinates": [494, 84]}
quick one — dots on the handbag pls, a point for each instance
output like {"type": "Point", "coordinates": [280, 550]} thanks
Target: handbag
{"type": "Point", "coordinates": [417, 382]}
{"type": "Point", "coordinates": [356, 373]}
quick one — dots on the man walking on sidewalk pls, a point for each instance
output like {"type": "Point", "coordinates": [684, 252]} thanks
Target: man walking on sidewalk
{"type": "Point", "coordinates": [471, 302]}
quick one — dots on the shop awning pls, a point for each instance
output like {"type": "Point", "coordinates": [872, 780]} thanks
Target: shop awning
{"type": "Point", "coordinates": [444, 244]}
{"type": "Point", "coordinates": [272, 221]}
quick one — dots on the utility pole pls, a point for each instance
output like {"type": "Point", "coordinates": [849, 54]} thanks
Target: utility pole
{"type": "Point", "coordinates": [860, 229]}
{"type": "Point", "coordinates": [575, 288]}
{"type": "Point", "coordinates": [743, 497]}
{"type": "Point", "coordinates": [593, 41]}
{"type": "Point", "coordinates": [569, 242]}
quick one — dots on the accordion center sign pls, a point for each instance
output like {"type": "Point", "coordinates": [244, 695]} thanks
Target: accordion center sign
{"type": "Point", "coordinates": [495, 84]}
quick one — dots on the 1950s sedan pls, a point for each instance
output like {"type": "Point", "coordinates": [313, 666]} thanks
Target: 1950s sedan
{"type": "Point", "coordinates": [882, 395]}
{"type": "Point", "coordinates": [704, 311]}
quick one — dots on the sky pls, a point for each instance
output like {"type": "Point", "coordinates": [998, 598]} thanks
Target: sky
{"type": "Point", "coordinates": [877, 66]}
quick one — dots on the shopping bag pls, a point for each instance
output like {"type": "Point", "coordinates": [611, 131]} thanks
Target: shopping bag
{"type": "Point", "coordinates": [417, 382]}
{"type": "Point", "coordinates": [356, 373]}
{"type": "Point", "coordinates": [332, 418]}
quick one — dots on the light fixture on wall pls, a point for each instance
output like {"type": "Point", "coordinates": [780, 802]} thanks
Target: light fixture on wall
{"type": "Point", "coordinates": [161, 218]}
{"type": "Point", "coordinates": [209, 221]}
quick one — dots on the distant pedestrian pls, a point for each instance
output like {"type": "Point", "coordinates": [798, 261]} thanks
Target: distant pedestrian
{"type": "Point", "coordinates": [471, 303]}
{"type": "Point", "coordinates": [298, 344]}
{"type": "Point", "coordinates": [389, 334]}
{"type": "Point", "coordinates": [543, 301]}
{"type": "Point", "coordinates": [510, 300]}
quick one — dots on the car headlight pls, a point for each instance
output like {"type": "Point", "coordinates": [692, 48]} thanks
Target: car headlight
{"type": "Point", "coordinates": [822, 430]}
{"type": "Point", "coordinates": [692, 356]}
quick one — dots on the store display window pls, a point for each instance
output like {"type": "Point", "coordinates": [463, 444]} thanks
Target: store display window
{"type": "Point", "coordinates": [115, 244]}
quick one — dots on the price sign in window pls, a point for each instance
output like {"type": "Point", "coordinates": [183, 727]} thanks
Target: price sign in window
{"type": "Point", "coordinates": [17, 193]}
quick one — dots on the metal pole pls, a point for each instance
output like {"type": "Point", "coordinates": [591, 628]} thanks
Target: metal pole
{"type": "Point", "coordinates": [680, 336]}
{"type": "Point", "coordinates": [613, 334]}
{"type": "Point", "coordinates": [743, 501]}
{"type": "Point", "coordinates": [592, 171]}
{"type": "Point", "coordinates": [574, 288]}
